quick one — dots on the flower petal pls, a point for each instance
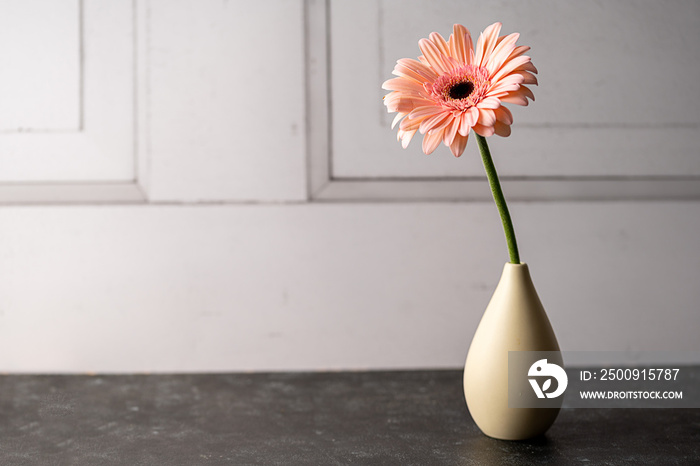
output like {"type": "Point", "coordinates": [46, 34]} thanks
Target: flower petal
{"type": "Point", "coordinates": [517, 98]}
{"type": "Point", "coordinates": [464, 127]}
{"type": "Point", "coordinates": [403, 84]}
{"type": "Point", "coordinates": [435, 122]}
{"type": "Point", "coordinates": [410, 124]}
{"type": "Point", "coordinates": [489, 102]}
{"type": "Point", "coordinates": [502, 129]}
{"type": "Point", "coordinates": [451, 131]}
{"type": "Point", "coordinates": [503, 115]}
{"type": "Point", "coordinates": [486, 43]}
{"type": "Point", "coordinates": [431, 141]}
{"type": "Point", "coordinates": [499, 90]}
{"type": "Point", "coordinates": [406, 137]}
{"type": "Point", "coordinates": [461, 44]}
{"type": "Point", "coordinates": [528, 78]}
{"type": "Point", "coordinates": [408, 73]}
{"type": "Point", "coordinates": [484, 131]}
{"type": "Point", "coordinates": [510, 66]}
{"type": "Point", "coordinates": [527, 67]}
{"type": "Point", "coordinates": [397, 118]}
{"type": "Point", "coordinates": [501, 53]}
{"type": "Point", "coordinates": [418, 68]}
{"type": "Point", "coordinates": [528, 93]}
{"type": "Point", "coordinates": [469, 119]}
{"type": "Point", "coordinates": [440, 43]}
{"type": "Point", "coordinates": [487, 117]}
{"type": "Point", "coordinates": [400, 102]}
{"type": "Point", "coordinates": [433, 56]}
{"type": "Point", "coordinates": [458, 144]}
{"type": "Point", "coordinates": [422, 93]}
{"type": "Point", "coordinates": [425, 111]}
{"type": "Point", "coordinates": [509, 83]}
{"type": "Point", "coordinates": [519, 50]}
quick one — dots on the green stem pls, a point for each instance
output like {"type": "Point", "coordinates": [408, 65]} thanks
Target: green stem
{"type": "Point", "coordinates": [499, 198]}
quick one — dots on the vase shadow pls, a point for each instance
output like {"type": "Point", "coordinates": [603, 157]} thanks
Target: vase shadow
{"type": "Point", "coordinates": [489, 451]}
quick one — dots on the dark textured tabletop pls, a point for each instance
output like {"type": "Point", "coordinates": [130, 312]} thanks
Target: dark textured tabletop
{"type": "Point", "coordinates": [329, 418]}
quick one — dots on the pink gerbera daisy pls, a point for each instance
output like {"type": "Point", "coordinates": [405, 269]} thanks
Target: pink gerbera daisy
{"type": "Point", "coordinates": [452, 88]}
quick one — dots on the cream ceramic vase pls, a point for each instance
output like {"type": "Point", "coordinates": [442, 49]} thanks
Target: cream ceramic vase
{"type": "Point", "coordinates": [514, 320]}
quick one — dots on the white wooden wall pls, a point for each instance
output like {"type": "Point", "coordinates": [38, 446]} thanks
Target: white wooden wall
{"type": "Point", "coordinates": [192, 185]}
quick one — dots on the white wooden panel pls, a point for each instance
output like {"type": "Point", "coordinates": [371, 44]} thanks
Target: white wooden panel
{"type": "Point", "coordinates": [549, 190]}
{"type": "Point", "coordinates": [40, 56]}
{"type": "Point", "coordinates": [226, 100]}
{"type": "Point", "coordinates": [319, 286]}
{"type": "Point", "coordinates": [142, 143]}
{"type": "Point", "coordinates": [70, 193]}
{"type": "Point", "coordinates": [617, 92]}
{"type": "Point", "coordinates": [103, 148]}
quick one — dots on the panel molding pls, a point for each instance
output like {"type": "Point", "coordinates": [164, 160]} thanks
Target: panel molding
{"type": "Point", "coordinates": [324, 186]}
{"type": "Point", "coordinates": [109, 142]}
{"type": "Point", "coordinates": [71, 193]}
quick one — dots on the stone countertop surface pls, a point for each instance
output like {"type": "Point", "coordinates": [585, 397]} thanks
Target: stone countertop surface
{"type": "Point", "coordinates": [321, 418]}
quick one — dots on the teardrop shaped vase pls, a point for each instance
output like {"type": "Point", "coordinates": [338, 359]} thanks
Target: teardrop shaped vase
{"type": "Point", "coordinates": [514, 320]}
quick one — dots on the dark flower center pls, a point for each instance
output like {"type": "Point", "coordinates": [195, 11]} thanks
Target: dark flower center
{"type": "Point", "coordinates": [461, 90]}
